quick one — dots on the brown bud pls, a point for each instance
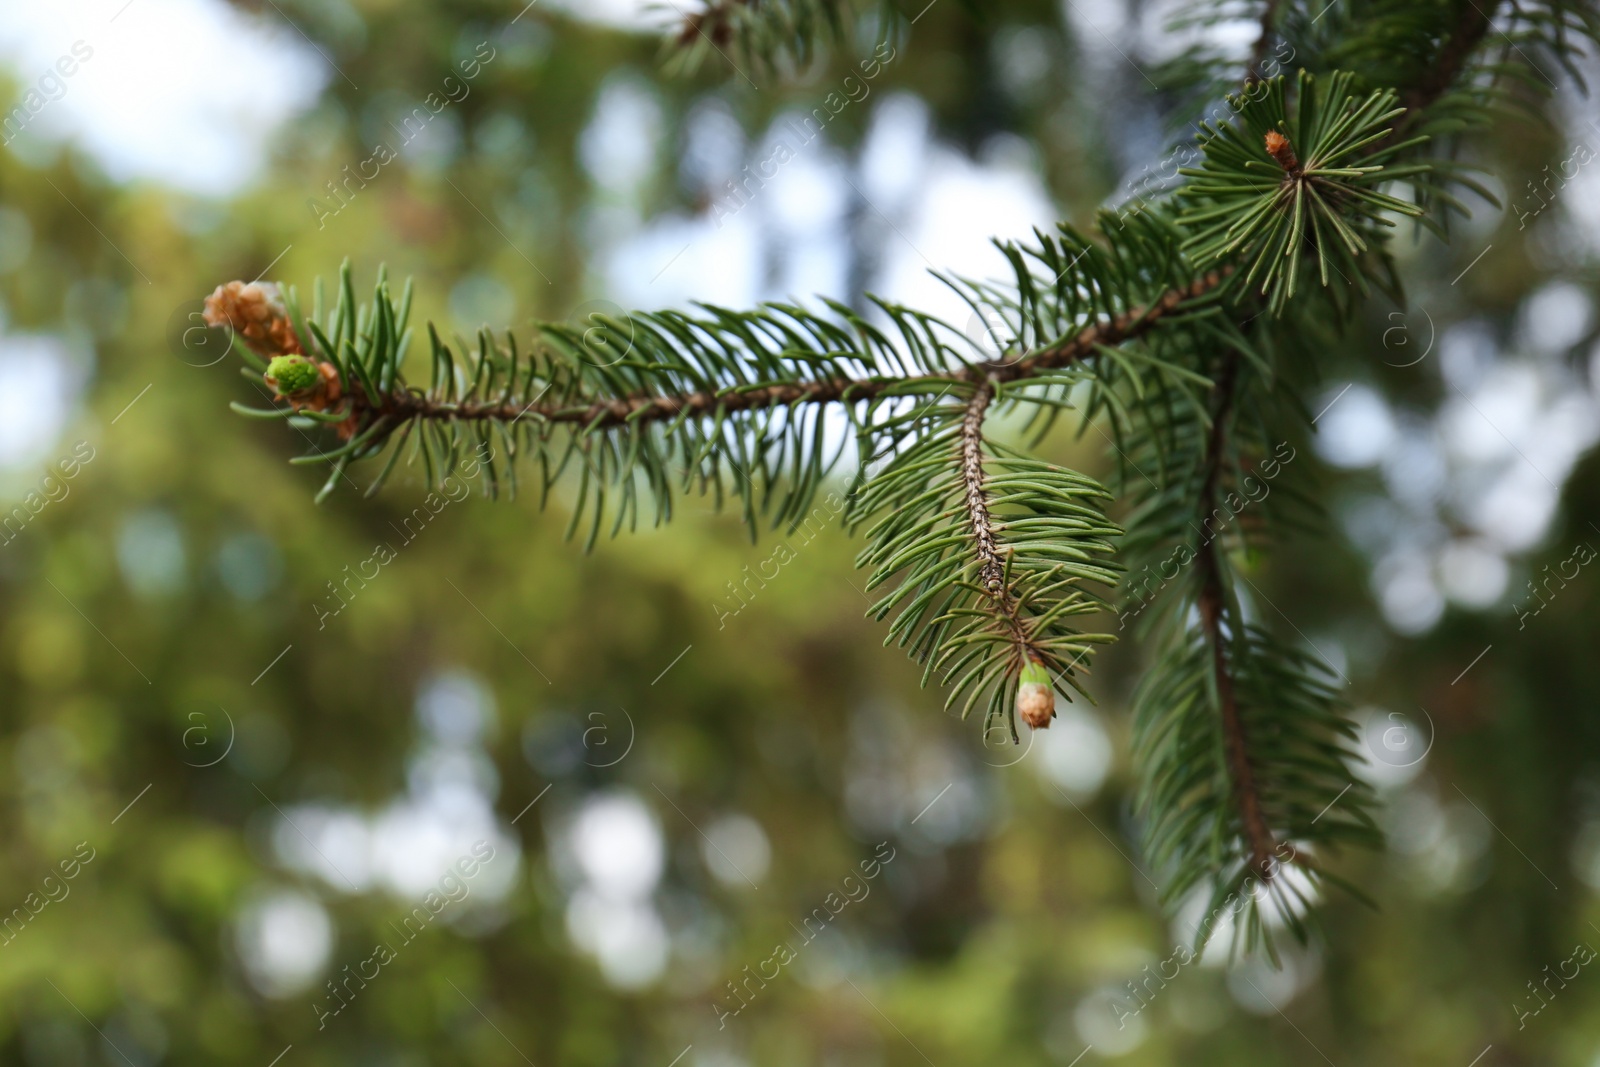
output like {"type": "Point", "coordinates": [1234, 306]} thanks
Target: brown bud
{"type": "Point", "coordinates": [1036, 703]}
{"type": "Point", "coordinates": [256, 312]}
{"type": "Point", "coordinates": [1278, 148]}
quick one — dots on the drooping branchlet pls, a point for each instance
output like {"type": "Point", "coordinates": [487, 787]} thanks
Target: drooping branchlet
{"type": "Point", "coordinates": [1035, 699]}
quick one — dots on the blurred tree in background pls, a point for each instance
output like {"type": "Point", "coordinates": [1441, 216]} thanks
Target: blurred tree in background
{"type": "Point", "coordinates": [268, 792]}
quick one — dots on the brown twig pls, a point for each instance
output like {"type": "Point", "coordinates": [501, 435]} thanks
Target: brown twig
{"type": "Point", "coordinates": [1258, 53]}
{"type": "Point", "coordinates": [715, 23]}
{"type": "Point", "coordinates": [602, 414]}
{"type": "Point", "coordinates": [1453, 55]}
{"type": "Point", "coordinates": [992, 569]}
{"type": "Point", "coordinates": [1212, 604]}
{"type": "Point", "coordinates": [991, 564]}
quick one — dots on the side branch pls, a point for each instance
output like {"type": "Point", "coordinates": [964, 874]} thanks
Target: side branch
{"type": "Point", "coordinates": [1448, 63]}
{"type": "Point", "coordinates": [1212, 600]}
{"type": "Point", "coordinates": [1221, 629]}
{"type": "Point", "coordinates": [1258, 53]}
{"type": "Point", "coordinates": [1451, 58]}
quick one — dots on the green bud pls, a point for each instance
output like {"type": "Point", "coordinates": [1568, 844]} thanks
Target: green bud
{"type": "Point", "coordinates": [1033, 673]}
{"type": "Point", "coordinates": [1036, 701]}
{"type": "Point", "coordinates": [293, 374]}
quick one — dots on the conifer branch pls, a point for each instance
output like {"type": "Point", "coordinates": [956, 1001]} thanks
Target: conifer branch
{"type": "Point", "coordinates": [400, 406]}
{"type": "Point", "coordinates": [981, 556]}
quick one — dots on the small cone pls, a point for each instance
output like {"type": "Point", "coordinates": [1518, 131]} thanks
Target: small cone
{"type": "Point", "coordinates": [1036, 700]}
